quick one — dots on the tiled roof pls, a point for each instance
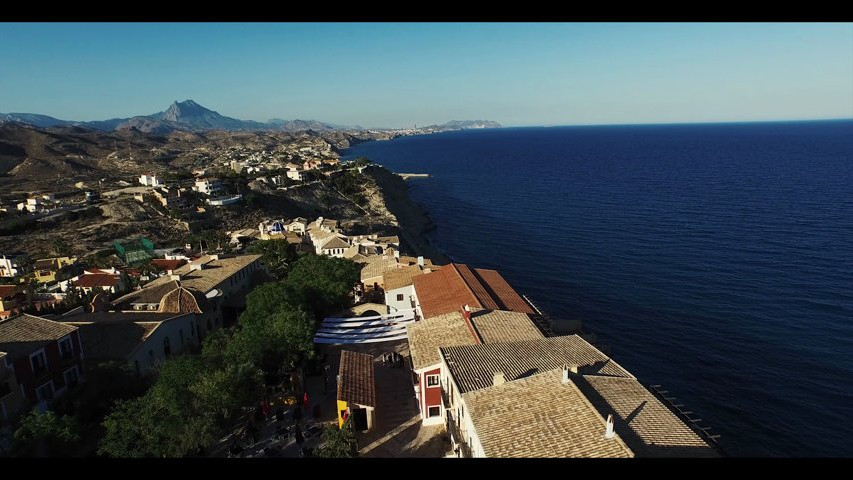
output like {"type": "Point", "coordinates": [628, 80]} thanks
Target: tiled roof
{"type": "Point", "coordinates": [539, 416]}
{"type": "Point", "coordinates": [401, 277]}
{"type": "Point", "coordinates": [44, 264]}
{"type": "Point", "coordinates": [502, 292]}
{"type": "Point", "coordinates": [213, 273]}
{"type": "Point", "coordinates": [377, 265]}
{"type": "Point", "coordinates": [114, 340]}
{"type": "Point", "coordinates": [166, 265]}
{"type": "Point", "coordinates": [356, 382]}
{"type": "Point", "coordinates": [97, 280]}
{"type": "Point", "coordinates": [473, 366]}
{"type": "Point", "coordinates": [456, 285]}
{"type": "Point", "coordinates": [502, 326]}
{"type": "Point", "coordinates": [352, 252]}
{"type": "Point", "coordinates": [647, 426]}
{"type": "Point", "coordinates": [24, 334]}
{"type": "Point", "coordinates": [392, 239]}
{"type": "Point", "coordinates": [442, 331]}
{"type": "Point", "coordinates": [183, 300]}
{"type": "Point", "coordinates": [151, 293]}
{"type": "Point", "coordinates": [8, 290]}
{"type": "Point", "coordinates": [335, 242]}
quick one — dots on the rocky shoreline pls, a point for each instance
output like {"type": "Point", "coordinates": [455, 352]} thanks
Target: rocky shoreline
{"type": "Point", "coordinates": [411, 218]}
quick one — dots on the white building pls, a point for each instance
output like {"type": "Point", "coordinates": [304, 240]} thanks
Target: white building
{"type": "Point", "coordinates": [10, 265]}
{"type": "Point", "coordinates": [226, 200]}
{"type": "Point", "coordinates": [334, 247]}
{"type": "Point", "coordinates": [399, 288]}
{"type": "Point", "coordinates": [297, 175]}
{"type": "Point", "coordinates": [298, 225]}
{"type": "Point", "coordinates": [149, 180]}
{"type": "Point", "coordinates": [209, 186]}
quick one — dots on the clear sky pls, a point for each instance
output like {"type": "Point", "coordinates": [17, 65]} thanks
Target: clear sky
{"type": "Point", "coordinates": [398, 74]}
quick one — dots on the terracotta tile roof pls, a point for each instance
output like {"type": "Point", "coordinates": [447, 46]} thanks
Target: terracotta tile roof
{"type": "Point", "coordinates": [456, 285]}
{"type": "Point", "coordinates": [539, 416]}
{"type": "Point", "coordinates": [646, 425]}
{"type": "Point", "coordinates": [44, 264]}
{"type": "Point", "coordinates": [97, 280]}
{"type": "Point", "coordinates": [502, 326]}
{"type": "Point", "coordinates": [400, 277]}
{"type": "Point", "coordinates": [473, 366]}
{"type": "Point", "coordinates": [24, 334]}
{"type": "Point", "coordinates": [442, 331]}
{"type": "Point", "coordinates": [356, 381]}
{"type": "Point", "coordinates": [8, 290]}
{"type": "Point", "coordinates": [335, 242]}
{"type": "Point", "coordinates": [503, 293]}
{"type": "Point", "coordinates": [166, 265]}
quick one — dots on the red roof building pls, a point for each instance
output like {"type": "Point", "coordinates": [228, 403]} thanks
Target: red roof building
{"type": "Point", "coordinates": [457, 285]}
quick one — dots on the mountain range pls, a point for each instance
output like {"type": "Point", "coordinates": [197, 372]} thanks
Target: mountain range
{"type": "Point", "coordinates": [190, 116]}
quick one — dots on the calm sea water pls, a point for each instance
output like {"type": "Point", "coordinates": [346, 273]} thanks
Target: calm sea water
{"type": "Point", "coordinates": [716, 260]}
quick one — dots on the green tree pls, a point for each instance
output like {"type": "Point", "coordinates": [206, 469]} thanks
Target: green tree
{"type": "Point", "coordinates": [46, 434]}
{"type": "Point", "coordinates": [277, 254]}
{"type": "Point", "coordinates": [223, 392]}
{"type": "Point", "coordinates": [324, 282]}
{"type": "Point", "coordinates": [360, 162]}
{"type": "Point", "coordinates": [338, 443]}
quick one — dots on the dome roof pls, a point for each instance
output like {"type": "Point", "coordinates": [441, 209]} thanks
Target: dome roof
{"type": "Point", "coordinates": [183, 300]}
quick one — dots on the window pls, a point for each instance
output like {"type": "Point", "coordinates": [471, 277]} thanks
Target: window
{"type": "Point", "coordinates": [38, 362]}
{"type": "Point", "coordinates": [399, 297]}
{"type": "Point", "coordinates": [65, 349]}
{"type": "Point", "coordinates": [432, 380]}
{"type": "Point", "coordinates": [45, 392]}
{"type": "Point", "coordinates": [433, 412]}
{"type": "Point", "coordinates": [71, 377]}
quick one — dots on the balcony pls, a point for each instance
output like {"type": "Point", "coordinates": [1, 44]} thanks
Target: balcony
{"type": "Point", "coordinates": [462, 448]}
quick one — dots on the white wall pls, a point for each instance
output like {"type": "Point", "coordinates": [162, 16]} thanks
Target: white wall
{"type": "Point", "coordinates": [394, 305]}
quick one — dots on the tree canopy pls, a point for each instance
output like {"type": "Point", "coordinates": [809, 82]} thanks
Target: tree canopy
{"type": "Point", "coordinates": [45, 434]}
{"type": "Point", "coordinates": [338, 443]}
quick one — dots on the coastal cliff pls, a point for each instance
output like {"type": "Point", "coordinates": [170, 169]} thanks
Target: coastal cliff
{"type": "Point", "coordinates": [413, 220]}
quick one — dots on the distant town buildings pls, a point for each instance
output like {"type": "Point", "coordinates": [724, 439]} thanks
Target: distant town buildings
{"type": "Point", "coordinates": [149, 180]}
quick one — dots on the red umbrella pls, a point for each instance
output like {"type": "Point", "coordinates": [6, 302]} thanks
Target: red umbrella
{"type": "Point", "coordinates": [305, 403]}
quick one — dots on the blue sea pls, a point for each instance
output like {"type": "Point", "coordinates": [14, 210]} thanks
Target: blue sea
{"type": "Point", "coordinates": [715, 260]}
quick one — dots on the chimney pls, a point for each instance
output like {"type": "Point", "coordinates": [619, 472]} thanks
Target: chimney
{"type": "Point", "coordinates": [498, 379]}
{"type": "Point", "coordinates": [214, 257]}
{"type": "Point", "coordinates": [196, 266]}
{"type": "Point", "coordinates": [174, 277]}
{"type": "Point", "coordinates": [170, 272]}
{"type": "Point", "coordinates": [421, 262]}
{"type": "Point", "coordinates": [609, 433]}
{"type": "Point", "coordinates": [397, 254]}
{"type": "Point", "coordinates": [565, 374]}
{"type": "Point", "coordinates": [466, 316]}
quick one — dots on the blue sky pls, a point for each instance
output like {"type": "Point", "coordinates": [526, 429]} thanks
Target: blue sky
{"type": "Point", "coordinates": [393, 74]}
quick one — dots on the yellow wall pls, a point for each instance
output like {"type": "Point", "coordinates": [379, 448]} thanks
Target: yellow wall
{"type": "Point", "coordinates": [341, 406]}
{"type": "Point", "coordinates": [58, 263]}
